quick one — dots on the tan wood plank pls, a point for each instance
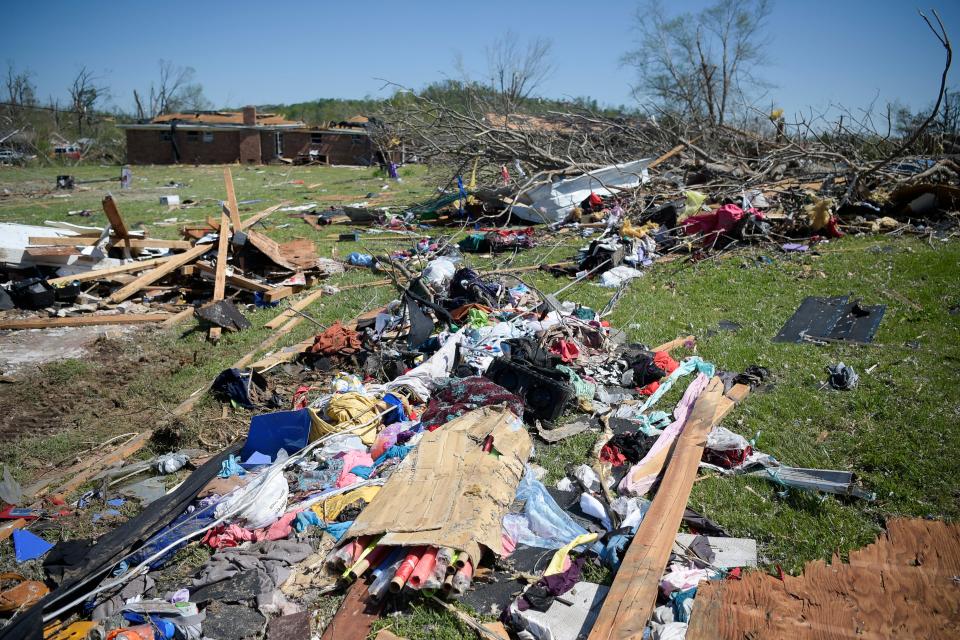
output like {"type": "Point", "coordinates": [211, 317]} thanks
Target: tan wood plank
{"type": "Point", "coordinates": [113, 215]}
{"type": "Point", "coordinates": [155, 274]}
{"type": "Point", "coordinates": [135, 243]}
{"type": "Point", "coordinates": [84, 321]}
{"type": "Point", "coordinates": [633, 594]}
{"type": "Point", "coordinates": [97, 274]}
{"type": "Point", "coordinates": [232, 209]}
{"type": "Point", "coordinates": [220, 275]}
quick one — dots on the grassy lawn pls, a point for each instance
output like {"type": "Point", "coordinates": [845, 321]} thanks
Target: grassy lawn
{"type": "Point", "coordinates": [897, 430]}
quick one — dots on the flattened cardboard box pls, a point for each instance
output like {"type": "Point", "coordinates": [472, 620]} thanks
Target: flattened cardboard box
{"type": "Point", "coordinates": [447, 492]}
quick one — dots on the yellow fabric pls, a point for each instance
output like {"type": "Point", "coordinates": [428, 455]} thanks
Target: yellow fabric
{"type": "Point", "coordinates": [819, 213]}
{"type": "Point", "coordinates": [630, 231]}
{"type": "Point", "coordinates": [694, 204]}
{"type": "Point", "coordinates": [556, 563]}
{"type": "Point", "coordinates": [351, 410]}
{"type": "Point", "coordinates": [328, 509]}
{"type": "Point", "coordinates": [776, 114]}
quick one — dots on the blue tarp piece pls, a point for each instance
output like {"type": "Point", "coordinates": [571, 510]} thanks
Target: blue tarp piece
{"type": "Point", "coordinates": [270, 432]}
{"type": "Point", "coordinates": [29, 546]}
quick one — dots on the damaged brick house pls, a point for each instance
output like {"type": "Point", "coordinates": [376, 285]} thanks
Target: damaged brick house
{"type": "Point", "coordinates": [248, 137]}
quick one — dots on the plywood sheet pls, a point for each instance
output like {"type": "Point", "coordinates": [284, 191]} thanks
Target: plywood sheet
{"type": "Point", "coordinates": [901, 586]}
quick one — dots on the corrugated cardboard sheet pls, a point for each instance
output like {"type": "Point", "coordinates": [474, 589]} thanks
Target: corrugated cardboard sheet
{"type": "Point", "coordinates": [447, 492]}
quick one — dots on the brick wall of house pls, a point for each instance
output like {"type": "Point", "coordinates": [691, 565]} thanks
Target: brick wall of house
{"type": "Point", "coordinates": [203, 147]}
{"type": "Point", "coordinates": [268, 146]}
{"type": "Point", "coordinates": [337, 148]}
{"type": "Point", "coordinates": [246, 146]}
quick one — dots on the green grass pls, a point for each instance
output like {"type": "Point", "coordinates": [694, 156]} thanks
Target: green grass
{"type": "Point", "coordinates": [897, 431]}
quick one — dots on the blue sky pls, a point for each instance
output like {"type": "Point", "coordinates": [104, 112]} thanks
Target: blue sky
{"type": "Point", "coordinates": [846, 52]}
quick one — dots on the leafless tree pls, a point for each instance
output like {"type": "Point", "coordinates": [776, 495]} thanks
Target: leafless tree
{"type": "Point", "coordinates": [699, 62]}
{"type": "Point", "coordinates": [85, 92]}
{"type": "Point", "coordinates": [174, 91]}
{"type": "Point", "coordinates": [517, 70]}
{"type": "Point", "coordinates": [20, 88]}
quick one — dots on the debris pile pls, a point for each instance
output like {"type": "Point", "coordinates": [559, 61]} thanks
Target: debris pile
{"type": "Point", "coordinates": [69, 275]}
{"type": "Point", "coordinates": [400, 469]}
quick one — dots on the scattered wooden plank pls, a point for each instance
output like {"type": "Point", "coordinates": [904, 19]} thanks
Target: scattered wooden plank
{"type": "Point", "coordinates": [42, 252]}
{"type": "Point", "coordinates": [669, 154]}
{"type": "Point", "coordinates": [135, 243]}
{"type": "Point", "coordinates": [220, 275]}
{"type": "Point", "coordinates": [299, 305]}
{"type": "Point", "coordinates": [113, 215]}
{"type": "Point", "coordinates": [279, 293]}
{"type": "Point", "coordinates": [155, 274]}
{"type": "Point", "coordinates": [84, 321]}
{"type": "Point", "coordinates": [98, 274]}
{"type": "Point", "coordinates": [356, 615]}
{"type": "Point", "coordinates": [235, 281]}
{"type": "Point", "coordinates": [257, 217]}
{"type": "Point", "coordinates": [673, 344]}
{"type": "Point", "coordinates": [232, 209]}
{"type": "Point", "coordinates": [178, 317]}
{"type": "Point", "coordinates": [633, 594]}
{"type": "Point", "coordinates": [102, 462]}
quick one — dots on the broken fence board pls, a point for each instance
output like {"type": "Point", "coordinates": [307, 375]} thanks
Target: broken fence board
{"type": "Point", "coordinates": [155, 274]}
{"type": "Point", "coordinates": [113, 215]}
{"type": "Point", "coordinates": [84, 321]}
{"type": "Point", "coordinates": [235, 281]}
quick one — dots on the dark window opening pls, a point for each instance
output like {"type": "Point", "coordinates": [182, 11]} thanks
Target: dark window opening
{"type": "Point", "coordinates": [166, 136]}
{"type": "Point", "coordinates": [316, 138]}
{"type": "Point", "coordinates": [193, 136]}
{"type": "Point", "coordinates": [208, 136]}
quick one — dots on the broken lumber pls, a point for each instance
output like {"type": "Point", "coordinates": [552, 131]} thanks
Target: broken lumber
{"type": "Point", "coordinates": [633, 594]}
{"type": "Point", "coordinates": [306, 301]}
{"type": "Point", "coordinates": [220, 274]}
{"type": "Point", "coordinates": [673, 344]}
{"type": "Point", "coordinates": [178, 317]}
{"type": "Point", "coordinates": [117, 455]}
{"type": "Point", "coordinates": [135, 243]}
{"type": "Point", "coordinates": [84, 321]}
{"type": "Point", "coordinates": [231, 206]}
{"type": "Point", "coordinates": [257, 217]}
{"type": "Point", "coordinates": [113, 215]}
{"type": "Point", "coordinates": [155, 274]}
{"type": "Point", "coordinates": [97, 274]}
{"type": "Point", "coordinates": [235, 281]}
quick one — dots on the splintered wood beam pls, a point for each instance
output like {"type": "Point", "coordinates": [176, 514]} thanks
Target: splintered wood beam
{"type": "Point", "coordinates": [220, 276]}
{"type": "Point", "coordinates": [97, 274]}
{"type": "Point", "coordinates": [232, 209]}
{"type": "Point", "coordinates": [257, 217]}
{"type": "Point", "coordinates": [633, 594]}
{"type": "Point", "coordinates": [135, 243]}
{"type": "Point", "coordinates": [113, 215]}
{"type": "Point", "coordinates": [84, 321]}
{"type": "Point", "coordinates": [155, 274]}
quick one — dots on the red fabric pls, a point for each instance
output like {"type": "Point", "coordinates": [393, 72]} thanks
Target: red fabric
{"type": "Point", "coordinates": [650, 389]}
{"type": "Point", "coordinates": [612, 455]}
{"type": "Point", "coordinates": [663, 360]}
{"type": "Point", "coordinates": [300, 396]}
{"type": "Point", "coordinates": [595, 200]}
{"type": "Point", "coordinates": [832, 230]}
{"type": "Point", "coordinates": [567, 351]}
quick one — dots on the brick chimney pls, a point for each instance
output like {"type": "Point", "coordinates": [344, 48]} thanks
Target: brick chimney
{"type": "Point", "coordinates": [250, 116]}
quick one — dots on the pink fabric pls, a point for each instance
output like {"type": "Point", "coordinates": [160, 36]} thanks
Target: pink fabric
{"type": "Point", "coordinates": [640, 485]}
{"type": "Point", "coordinates": [232, 535]}
{"type": "Point", "coordinates": [721, 219]}
{"type": "Point", "coordinates": [351, 459]}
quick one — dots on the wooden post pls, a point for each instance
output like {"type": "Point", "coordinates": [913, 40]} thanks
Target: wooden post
{"type": "Point", "coordinates": [220, 277]}
{"type": "Point", "coordinates": [231, 205]}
